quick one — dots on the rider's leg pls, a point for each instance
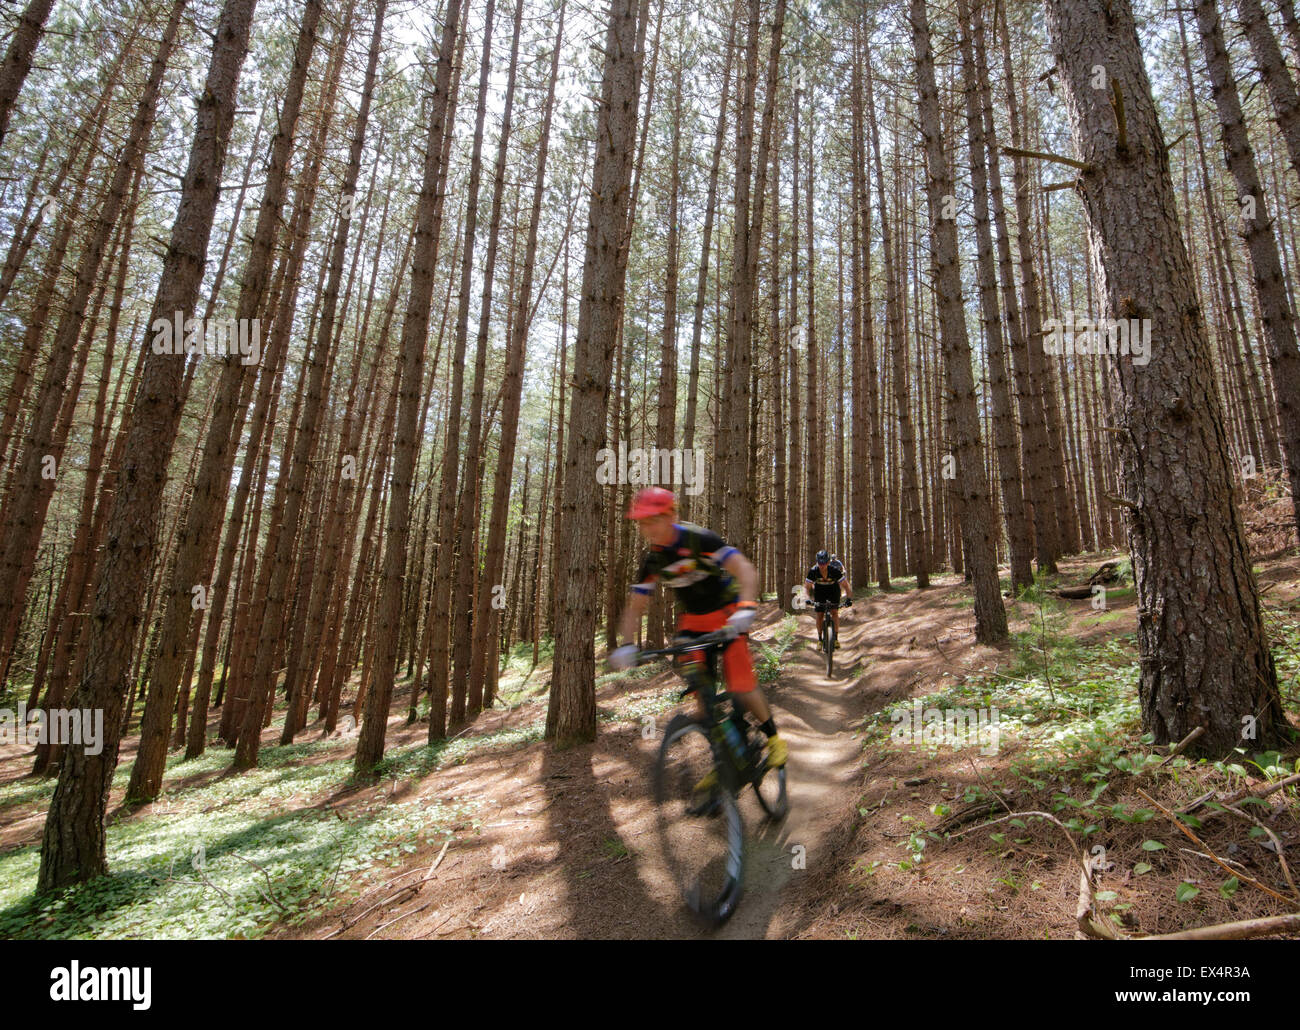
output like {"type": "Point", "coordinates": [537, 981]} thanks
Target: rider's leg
{"type": "Point", "coordinates": [743, 685]}
{"type": "Point", "coordinates": [820, 616]}
{"type": "Point", "coordinates": [755, 704]}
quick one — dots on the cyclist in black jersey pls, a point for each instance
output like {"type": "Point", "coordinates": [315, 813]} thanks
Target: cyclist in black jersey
{"type": "Point", "coordinates": [827, 581]}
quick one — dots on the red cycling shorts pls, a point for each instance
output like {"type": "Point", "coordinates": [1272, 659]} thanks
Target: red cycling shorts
{"type": "Point", "coordinates": [737, 665]}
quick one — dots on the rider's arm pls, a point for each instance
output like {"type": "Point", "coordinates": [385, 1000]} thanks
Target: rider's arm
{"type": "Point", "coordinates": [638, 600]}
{"type": "Point", "coordinates": [637, 603]}
{"type": "Point", "coordinates": [745, 574]}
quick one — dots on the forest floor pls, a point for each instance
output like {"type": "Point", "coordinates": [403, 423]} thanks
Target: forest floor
{"type": "Point", "coordinates": [567, 845]}
{"type": "Point", "coordinates": [496, 835]}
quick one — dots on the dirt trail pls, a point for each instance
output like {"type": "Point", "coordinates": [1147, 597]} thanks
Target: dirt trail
{"type": "Point", "coordinates": [568, 844]}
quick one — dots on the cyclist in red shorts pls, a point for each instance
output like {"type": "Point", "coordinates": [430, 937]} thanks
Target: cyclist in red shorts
{"type": "Point", "coordinates": [717, 589]}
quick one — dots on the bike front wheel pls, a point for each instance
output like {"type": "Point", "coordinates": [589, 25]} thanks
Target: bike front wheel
{"type": "Point", "coordinates": [699, 823]}
{"type": "Point", "coordinates": [829, 646]}
{"type": "Point", "coordinates": [770, 788]}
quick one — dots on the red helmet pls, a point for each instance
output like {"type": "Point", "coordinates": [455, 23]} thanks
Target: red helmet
{"type": "Point", "coordinates": [653, 500]}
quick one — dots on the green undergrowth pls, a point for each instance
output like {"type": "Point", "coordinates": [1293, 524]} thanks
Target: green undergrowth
{"type": "Point", "coordinates": [231, 856]}
{"type": "Point", "coordinates": [1067, 736]}
{"type": "Point", "coordinates": [768, 657]}
{"type": "Point", "coordinates": [1282, 623]}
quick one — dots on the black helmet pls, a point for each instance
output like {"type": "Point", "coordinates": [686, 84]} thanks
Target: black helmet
{"type": "Point", "coordinates": [822, 557]}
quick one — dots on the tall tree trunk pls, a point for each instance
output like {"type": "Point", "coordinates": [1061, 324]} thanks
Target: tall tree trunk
{"type": "Point", "coordinates": [474, 653]}
{"type": "Point", "coordinates": [72, 848]}
{"type": "Point", "coordinates": [1027, 357]}
{"type": "Point", "coordinates": [467, 689]}
{"type": "Point", "coordinates": [198, 538]}
{"type": "Point", "coordinates": [898, 349]}
{"type": "Point", "coordinates": [444, 596]}
{"type": "Point", "coordinates": [977, 510]}
{"type": "Point", "coordinates": [702, 280]}
{"type": "Point", "coordinates": [979, 113]}
{"type": "Point", "coordinates": [1270, 284]}
{"type": "Point", "coordinates": [666, 414]}
{"type": "Point", "coordinates": [1205, 660]}
{"type": "Point", "coordinates": [415, 331]}
{"type": "Point", "coordinates": [18, 58]}
{"type": "Point", "coordinates": [313, 387]}
{"type": "Point", "coordinates": [571, 712]}
{"type": "Point", "coordinates": [1273, 71]}
{"type": "Point", "coordinates": [733, 449]}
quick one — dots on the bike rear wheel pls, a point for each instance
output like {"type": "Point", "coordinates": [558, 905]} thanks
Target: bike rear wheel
{"type": "Point", "coordinates": [700, 831]}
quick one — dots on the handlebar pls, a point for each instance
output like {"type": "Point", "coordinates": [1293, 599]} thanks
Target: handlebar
{"type": "Point", "coordinates": [701, 643]}
{"type": "Point", "coordinates": [824, 606]}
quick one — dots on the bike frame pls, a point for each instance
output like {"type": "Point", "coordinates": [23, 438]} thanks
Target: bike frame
{"type": "Point", "coordinates": [831, 635]}
{"type": "Point", "coordinates": [702, 677]}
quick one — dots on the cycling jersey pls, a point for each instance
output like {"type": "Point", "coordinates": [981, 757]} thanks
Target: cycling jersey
{"type": "Point", "coordinates": [692, 566]}
{"type": "Point", "coordinates": [826, 585]}
{"type": "Point", "coordinates": [706, 593]}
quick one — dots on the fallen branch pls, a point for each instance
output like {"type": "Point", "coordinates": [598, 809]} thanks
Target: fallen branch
{"type": "Point", "coordinates": [209, 883]}
{"type": "Point", "coordinates": [398, 919]}
{"type": "Point", "coordinates": [1240, 796]}
{"type": "Point", "coordinates": [1232, 931]}
{"type": "Point", "coordinates": [270, 885]}
{"type": "Point", "coordinates": [1202, 854]}
{"type": "Point", "coordinates": [1218, 861]}
{"type": "Point", "coordinates": [382, 886]}
{"type": "Point", "coordinates": [384, 902]}
{"type": "Point", "coordinates": [438, 927]}
{"type": "Point", "coordinates": [1084, 912]}
{"type": "Point", "coordinates": [1277, 846]}
{"type": "Point", "coordinates": [1183, 745]}
{"type": "Point", "coordinates": [966, 815]}
{"type": "Point", "coordinates": [335, 878]}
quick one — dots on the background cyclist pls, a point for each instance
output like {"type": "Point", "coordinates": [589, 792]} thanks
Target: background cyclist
{"type": "Point", "coordinates": [827, 581]}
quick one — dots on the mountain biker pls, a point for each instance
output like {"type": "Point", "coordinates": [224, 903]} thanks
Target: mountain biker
{"type": "Point", "coordinates": [717, 589]}
{"type": "Point", "coordinates": [827, 581]}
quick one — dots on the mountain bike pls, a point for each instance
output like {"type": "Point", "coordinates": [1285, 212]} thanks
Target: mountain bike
{"type": "Point", "coordinates": [829, 638]}
{"type": "Point", "coordinates": [704, 764]}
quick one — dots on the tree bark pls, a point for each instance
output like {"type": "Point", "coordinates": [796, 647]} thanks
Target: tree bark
{"type": "Point", "coordinates": [571, 712]}
{"type": "Point", "coordinates": [18, 59]}
{"type": "Point", "coordinates": [1204, 656]}
{"type": "Point", "coordinates": [415, 331]}
{"type": "Point", "coordinates": [73, 843]}
{"type": "Point", "coordinates": [977, 514]}
{"type": "Point", "coordinates": [1270, 284]}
